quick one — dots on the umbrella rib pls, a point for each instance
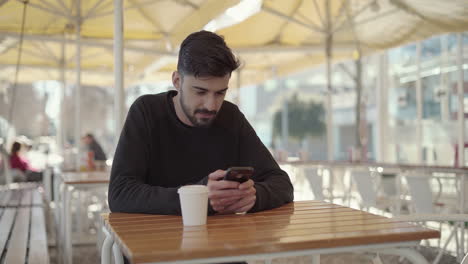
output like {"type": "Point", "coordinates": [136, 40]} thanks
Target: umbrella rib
{"type": "Point", "coordinates": [45, 49]}
{"type": "Point", "coordinates": [410, 10]}
{"type": "Point", "coordinates": [52, 11]}
{"type": "Point", "coordinates": [34, 54]}
{"type": "Point", "coordinates": [355, 15]}
{"type": "Point", "coordinates": [94, 8]}
{"type": "Point", "coordinates": [145, 15]}
{"type": "Point", "coordinates": [64, 6]}
{"type": "Point", "coordinates": [317, 9]}
{"type": "Point", "coordinates": [281, 28]}
{"type": "Point", "coordinates": [312, 27]}
{"type": "Point", "coordinates": [187, 3]}
{"type": "Point", "coordinates": [107, 13]}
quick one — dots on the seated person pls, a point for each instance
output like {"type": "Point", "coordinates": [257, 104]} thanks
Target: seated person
{"type": "Point", "coordinates": [191, 136]}
{"type": "Point", "coordinates": [96, 156]}
{"type": "Point", "coordinates": [19, 162]}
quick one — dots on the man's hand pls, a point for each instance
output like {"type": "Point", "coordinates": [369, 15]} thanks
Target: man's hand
{"type": "Point", "coordinates": [227, 197]}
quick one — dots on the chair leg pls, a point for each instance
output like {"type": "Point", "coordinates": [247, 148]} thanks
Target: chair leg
{"type": "Point", "coordinates": [410, 254]}
{"type": "Point", "coordinates": [442, 250]}
{"type": "Point", "coordinates": [117, 254]}
{"type": "Point", "coordinates": [106, 248]}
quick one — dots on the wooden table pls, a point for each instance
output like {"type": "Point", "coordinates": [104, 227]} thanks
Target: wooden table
{"type": "Point", "coordinates": [299, 228]}
{"type": "Point", "coordinates": [65, 184]}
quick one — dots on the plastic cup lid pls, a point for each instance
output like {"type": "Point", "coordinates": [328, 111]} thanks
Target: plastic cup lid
{"type": "Point", "coordinates": [193, 189]}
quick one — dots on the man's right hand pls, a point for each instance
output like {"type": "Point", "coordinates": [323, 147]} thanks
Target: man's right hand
{"type": "Point", "coordinates": [222, 193]}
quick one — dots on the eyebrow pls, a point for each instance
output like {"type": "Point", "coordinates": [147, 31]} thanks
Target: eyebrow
{"type": "Point", "coordinates": [206, 90]}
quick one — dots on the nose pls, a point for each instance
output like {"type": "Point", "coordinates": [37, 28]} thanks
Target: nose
{"type": "Point", "coordinates": [210, 103]}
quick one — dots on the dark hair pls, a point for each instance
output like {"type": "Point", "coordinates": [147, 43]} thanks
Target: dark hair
{"type": "Point", "coordinates": [15, 147]}
{"type": "Point", "coordinates": [205, 53]}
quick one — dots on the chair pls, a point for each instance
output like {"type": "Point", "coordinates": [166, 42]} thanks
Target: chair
{"type": "Point", "coordinates": [365, 187]}
{"type": "Point", "coordinates": [426, 208]}
{"type": "Point", "coordinates": [315, 182]}
{"type": "Point", "coordinates": [367, 184]}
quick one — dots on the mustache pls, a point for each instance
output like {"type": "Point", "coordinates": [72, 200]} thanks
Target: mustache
{"type": "Point", "coordinates": [205, 111]}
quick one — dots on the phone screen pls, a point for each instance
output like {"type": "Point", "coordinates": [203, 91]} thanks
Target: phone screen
{"type": "Point", "coordinates": [239, 174]}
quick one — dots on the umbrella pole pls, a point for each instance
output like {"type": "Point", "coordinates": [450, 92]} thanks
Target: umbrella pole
{"type": "Point", "coordinates": [419, 105]}
{"type": "Point", "coordinates": [118, 68]}
{"type": "Point", "coordinates": [461, 105]}
{"type": "Point", "coordinates": [61, 127]}
{"type": "Point", "coordinates": [78, 88]}
{"type": "Point", "coordinates": [329, 105]}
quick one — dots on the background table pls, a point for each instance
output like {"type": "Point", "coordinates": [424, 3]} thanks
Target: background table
{"type": "Point", "coordinates": [66, 183]}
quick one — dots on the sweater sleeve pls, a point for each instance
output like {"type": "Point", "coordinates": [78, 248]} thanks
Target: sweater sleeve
{"type": "Point", "coordinates": [272, 184]}
{"type": "Point", "coordinates": [128, 191]}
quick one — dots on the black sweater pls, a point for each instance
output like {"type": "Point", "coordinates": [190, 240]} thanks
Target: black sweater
{"type": "Point", "coordinates": [157, 154]}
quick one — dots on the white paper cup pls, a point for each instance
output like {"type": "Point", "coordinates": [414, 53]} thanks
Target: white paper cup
{"type": "Point", "coordinates": [194, 204]}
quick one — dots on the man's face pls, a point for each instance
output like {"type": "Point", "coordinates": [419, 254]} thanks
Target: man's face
{"type": "Point", "coordinates": [199, 98]}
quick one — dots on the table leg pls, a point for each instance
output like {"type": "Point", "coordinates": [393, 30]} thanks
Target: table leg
{"type": "Point", "coordinates": [316, 259]}
{"type": "Point", "coordinates": [60, 220]}
{"type": "Point", "coordinates": [106, 248]}
{"type": "Point", "coordinates": [462, 211]}
{"type": "Point", "coordinates": [331, 182]}
{"type": "Point", "coordinates": [67, 225]}
{"type": "Point", "coordinates": [117, 254]}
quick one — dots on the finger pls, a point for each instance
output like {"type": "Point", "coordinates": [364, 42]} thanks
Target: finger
{"type": "Point", "coordinates": [226, 202]}
{"type": "Point", "coordinates": [246, 185]}
{"type": "Point", "coordinates": [221, 185]}
{"type": "Point", "coordinates": [216, 175]}
{"type": "Point", "coordinates": [241, 203]}
{"type": "Point", "coordinates": [225, 193]}
{"type": "Point", "coordinates": [246, 208]}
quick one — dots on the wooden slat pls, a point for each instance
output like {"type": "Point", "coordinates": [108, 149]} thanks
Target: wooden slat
{"type": "Point", "coordinates": [26, 197]}
{"type": "Point", "coordinates": [15, 198]}
{"type": "Point", "coordinates": [37, 198]}
{"type": "Point", "coordinates": [6, 222]}
{"type": "Point", "coordinates": [38, 251]}
{"type": "Point", "coordinates": [6, 198]}
{"type": "Point", "coordinates": [296, 226]}
{"type": "Point", "coordinates": [19, 237]}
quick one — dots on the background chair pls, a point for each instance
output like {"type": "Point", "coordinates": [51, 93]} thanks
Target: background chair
{"type": "Point", "coordinates": [315, 182]}
{"type": "Point", "coordinates": [425, 207]}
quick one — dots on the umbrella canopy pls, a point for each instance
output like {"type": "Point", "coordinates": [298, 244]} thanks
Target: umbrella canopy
{"type": "Point", "coordinates": [281, 38]}
{"type": "Point", "coordinates": [291, 35]}
{"type": "Point", "coordinates": [153, 31]}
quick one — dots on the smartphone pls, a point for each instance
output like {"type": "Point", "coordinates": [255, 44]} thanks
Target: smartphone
{"type": "Point", "coordinates": [238, 174]}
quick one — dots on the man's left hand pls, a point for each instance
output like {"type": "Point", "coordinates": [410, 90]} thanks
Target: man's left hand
{"type": "Point", "coordinates": [244, 203]}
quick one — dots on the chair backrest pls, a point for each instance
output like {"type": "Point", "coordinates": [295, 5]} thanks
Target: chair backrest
{"type": "Point", "coordinates": [6, 166]}
{"type": "Point", "coordinates": [421, 193]}
{"type": "Point", "coordinates": [315, 182]}
{"type": "Point", "coordinates": [388, 183]}
{"type": "Point", "coordinates": [365, 187]}
{"type": "Point", "coordinates": [465, 260]}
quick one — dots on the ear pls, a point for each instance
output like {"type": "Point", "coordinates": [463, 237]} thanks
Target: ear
{"type": "Point", "coordinates": [176, 80]}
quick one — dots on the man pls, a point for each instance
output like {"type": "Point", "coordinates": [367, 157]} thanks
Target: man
{"type": "Point", "coordinates": [191, 136]}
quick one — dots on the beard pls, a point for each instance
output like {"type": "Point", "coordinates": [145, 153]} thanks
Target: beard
{"type": "Point", "coordinates": [197, 122]}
